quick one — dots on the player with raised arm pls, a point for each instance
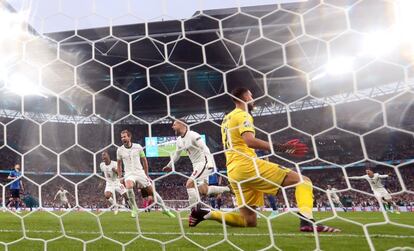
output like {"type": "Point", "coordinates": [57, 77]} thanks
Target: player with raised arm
{"type": "Point", "coordinates": [63, 198]}
{"type": "Point", "coordinates": [136, 172]}
{"type": "Point", "coordinates": [374, 180]}
{"type": "Point", "coordinates": [239, 141]}
{"type": "Point", "coordinates": [16, 186]}
{"type": "Point", "coordinates": [331, 191]}
{"type": "Point", "coordinates": [201, 159]}
{"type": "Point", "coordinates": [113, 185]}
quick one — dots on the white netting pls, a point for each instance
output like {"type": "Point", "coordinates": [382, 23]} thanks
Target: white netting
{"type": "Point", "coordinates": [336, 74]}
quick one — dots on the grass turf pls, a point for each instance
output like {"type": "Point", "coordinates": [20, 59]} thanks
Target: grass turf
{"type": "Point", "coordinates": [82, 228]}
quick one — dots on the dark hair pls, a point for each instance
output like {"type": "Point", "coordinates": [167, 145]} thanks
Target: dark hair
{"type": "Point", "coordinates": [238, 93]}
{"type": "Point", "coordinates": [369, 168]}
{"type": "Point", "coordinates": [127, 132]}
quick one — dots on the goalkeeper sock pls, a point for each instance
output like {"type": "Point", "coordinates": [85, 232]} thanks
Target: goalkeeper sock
{"type": "Point", "coordinates": [131, 199]}
{"type": "Point", "coordinates": [217, 189]}
{"type": "Point", "coordinates": [231, 219]}
{"type": "Point", "coordinates": [192, 196]}
{"type": "Point", "coordinates": [304, 198]}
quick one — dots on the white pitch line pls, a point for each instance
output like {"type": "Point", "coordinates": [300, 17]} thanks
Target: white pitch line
{"type": "Point", "coordinates": [215, 234]}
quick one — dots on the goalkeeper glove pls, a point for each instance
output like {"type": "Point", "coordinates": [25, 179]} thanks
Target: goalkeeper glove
{"type": "Point", "coordinates": [293, 147]}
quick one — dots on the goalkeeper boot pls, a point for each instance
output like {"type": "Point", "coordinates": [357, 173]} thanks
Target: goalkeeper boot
{"type": "Point", "coordinates": [196, 216]}
{"type": "Point", "coordinates": [168, 213]}
{"type": "Point", "coordinates": [308, 226]}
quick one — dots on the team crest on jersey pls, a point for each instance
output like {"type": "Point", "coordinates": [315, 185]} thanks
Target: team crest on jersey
{"type": "Point", "coordinates": [247, 124]}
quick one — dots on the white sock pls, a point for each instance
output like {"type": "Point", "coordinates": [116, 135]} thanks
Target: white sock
{"type": "Point", "coordinates": [192, 196]}
{"type": "Point", "coordinates": [160, 201]}
{"type": "Point", "coordinates": [217, 189]}
{"type": "Point", "coordinates": [131, 199]}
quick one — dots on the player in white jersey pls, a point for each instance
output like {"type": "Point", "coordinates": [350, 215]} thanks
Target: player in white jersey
{"type": "Point", "coordinates": [136, 172]}
{"type": "Point", "coordinates": [374, 180]}
{"type": "Point", "coordinates": [63, 198]}
{"type": "Point", "coordinates": [113, 185]}
{"type": "Point", "coordinates": [201, 159]}
{"type": "Point", "coordinates": [331, 191]}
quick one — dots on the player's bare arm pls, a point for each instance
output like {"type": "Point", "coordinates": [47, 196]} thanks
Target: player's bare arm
{"type": "Point", "coordinates": [175, 157]}
{"type": "Point", "coordinates": [144, 162]}
{"type": "Point", "coordinates": [119, 168]}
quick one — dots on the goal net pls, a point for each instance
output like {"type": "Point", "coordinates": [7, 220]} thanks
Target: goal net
{"type": "Point", "coordinates": [338, 75]}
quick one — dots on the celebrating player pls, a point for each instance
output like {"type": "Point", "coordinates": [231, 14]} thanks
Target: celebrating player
{"type": "Point", "coordinates": [16, 186]}
{"type": "Point", "coordinates": [136, 172]}
{"type": "Point", "coordinates": [382, 195]}
{"type": "Point", "coordinates": [238, 137]}
{"type": "Point", "coordinates": [63, 198]}
{"type": "Point", "coordinates": [109, 169]}
{"type": "Point", "coordinates": [334, 197]}
{"type": "Point", "coordinates": [201, 159]}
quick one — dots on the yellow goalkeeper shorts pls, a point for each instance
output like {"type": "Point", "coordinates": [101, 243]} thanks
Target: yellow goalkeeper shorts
{"type": "Point", "coordinates": [255, 180]}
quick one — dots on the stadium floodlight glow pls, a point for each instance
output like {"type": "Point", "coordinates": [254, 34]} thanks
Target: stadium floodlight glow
{"type": "Point", "coordinates": [335, 67]}
{"type": "Point", "coordinates": [22, 86]}
{"type": "Point", "coordinates": [339, 66]}
{"type": "Point", "coordinates": [405, 21]}
{"type": "Point", "coordinates": [13, 25]}
{"type": "Point", "coordinates": [379, 43]}
{"type": "Point", "coordinates": [405, 18]}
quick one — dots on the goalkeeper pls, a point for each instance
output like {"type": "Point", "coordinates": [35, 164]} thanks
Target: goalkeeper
{"type": "Point", "coordinates": [239, 141]}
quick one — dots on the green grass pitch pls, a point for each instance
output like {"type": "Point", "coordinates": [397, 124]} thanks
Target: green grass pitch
{"type": "Point", "coordinates": [157, 229]}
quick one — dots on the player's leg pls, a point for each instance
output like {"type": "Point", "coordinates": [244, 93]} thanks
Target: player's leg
{"type": "Point", "coordinates": [272, 202]}
{"type": "Point", "coordinates": [200, 177]}
{"type": "Point", "coordinates": [246, 217]}
{"type": "Point", "coordinates": [67, 204]}
{"type": "Point", "coordinates": [342, 205]}
{"type": "Point", "coordinates": [391, 204]}
{"type": "Point", "coordinates": [386, 196]}
{"type": "Point", "coordinates": [193, 197]}
{"type": "Point", "coordinates": [303, 192]}
{"type": "Point", "coordinates": [17, 202]}
{"type": "Point", "coordinates": [109, 196]}
{"type": "Point", "coordinates": [129, 185]}
{"type": "Point", "coordinates": [159, 200]}
{"type": "Point", "coordinates": [145, 183]}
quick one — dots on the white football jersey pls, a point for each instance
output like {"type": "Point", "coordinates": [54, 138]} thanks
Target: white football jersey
{"type": "Point", "coordinates": [110, 175]}
{"type": "Point", "coordinates": [131, 157]}
{"type": "Point", "coordinates": [375, 181]}
{"type": "Point", "coordinates": [197, 150]}
{"type": "Point", "coordinates": [332, 192]}
{"type": "Point", "coordinates": [62, 195]}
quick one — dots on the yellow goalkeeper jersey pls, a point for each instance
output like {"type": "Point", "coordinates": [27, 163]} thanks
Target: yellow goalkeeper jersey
{"type": "Point", "coordinates": [233, 126]}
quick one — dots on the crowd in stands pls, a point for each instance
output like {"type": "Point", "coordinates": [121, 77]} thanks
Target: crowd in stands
{"type": "Point", "coordinates": [334, 146]}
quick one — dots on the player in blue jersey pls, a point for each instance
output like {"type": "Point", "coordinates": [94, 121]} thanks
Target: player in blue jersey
{"type": "Point", "coordinates": [215, 199]}
{"type": "Point", "coordinates": [16, 186]}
